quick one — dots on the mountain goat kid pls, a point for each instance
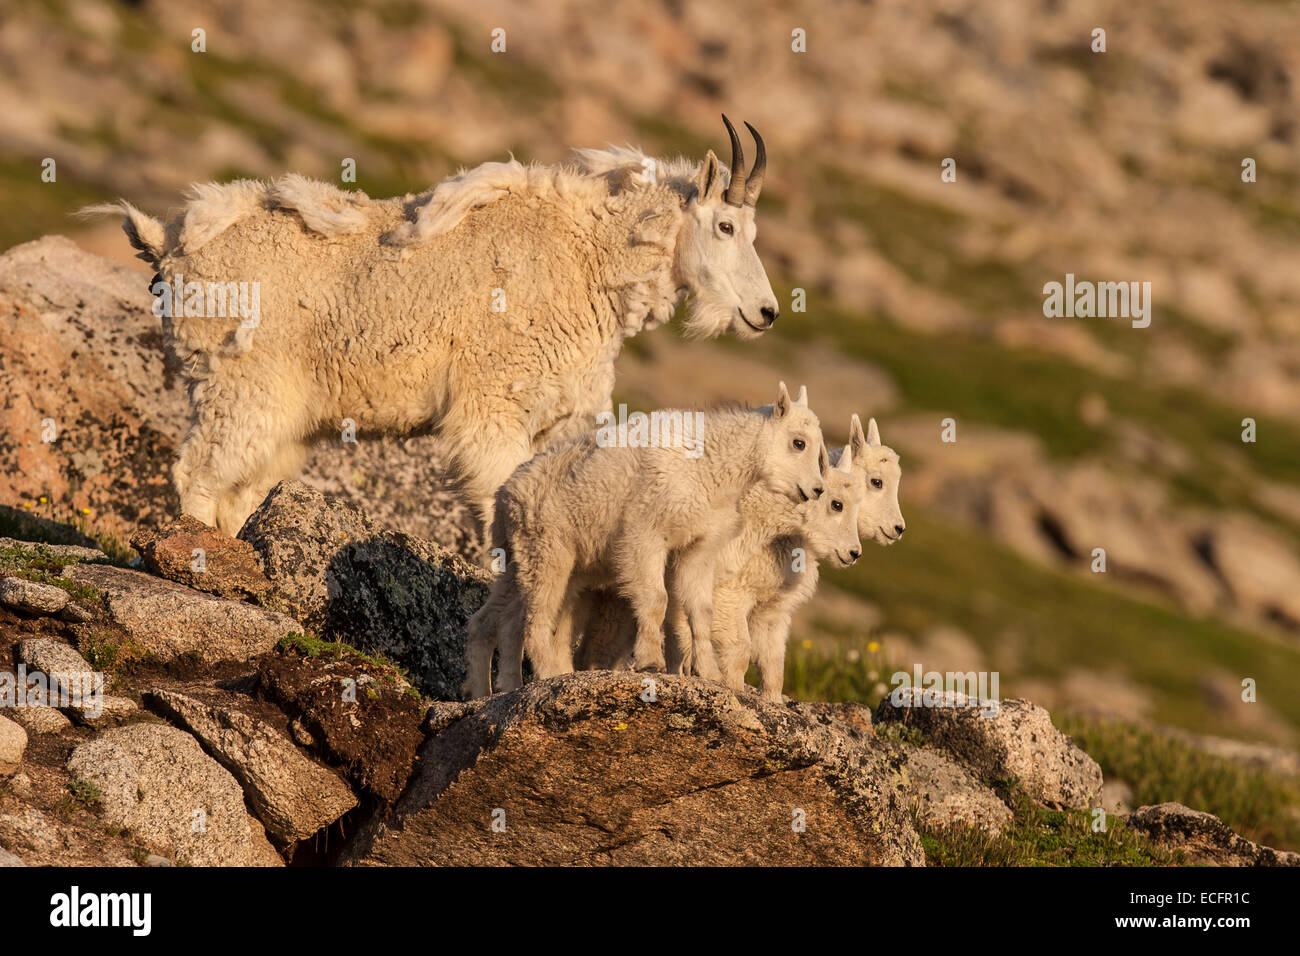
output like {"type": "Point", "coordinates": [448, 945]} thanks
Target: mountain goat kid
{"type": "Point", "coordinates": [585, 515]}
{"type": "Point", "coordinates": [490, 307]}
{"type": "Point", "coordinates": [753, 609]}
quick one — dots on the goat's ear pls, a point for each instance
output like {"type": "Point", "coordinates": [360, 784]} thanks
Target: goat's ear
{"type": "Point", "coordinates": [846, 460]}
{"type": "Point", "coordinates": [823, 460]}
{"type": "Point", "coordinates": [781, 407]}
{"type": "Point", "coordinates": [708, 181]}
{"type": "Point", "coordinates": [803, 396]}
{"type": "Point", "coordinates": [873, 433]}
{"type": "Point", "coordinates": [857, 440]}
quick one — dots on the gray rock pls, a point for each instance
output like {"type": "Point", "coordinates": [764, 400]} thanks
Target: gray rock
{"type": "Point", "coordinates": [71, 676]}
{"type": "Point", "coordinates": [32, 597]}
{"type": "Point", "coordinates": [75, 613]}
{"type": "Point", "coordinates": [1203, 838]}
{"type": "Point", "coordinates": [41, 720]}
{"type": "Point", "coordinates": [107, 711]}
{"type": "Point", "coordinates": [21, 784]}
{"type": "Point", "coordinates": [261, 852]}
{"type": "Point", "coordinates": [157, 782]}
{"type": "Point", "coordinates": [168, 620]}
{"type": "Point", "coordinates": [1019, 743]}
{"type": "Point", "coordinates": [382, 591]}
{"type": "Point", "coordinates": [944, 793]}
{"type": "Point", "coordinates": [8, 859]}
{"type": "Point", "coordinates": [293, 796]}
{"type": "Point", "coordinates": [153, 859]}
{"type": "Point", "coordinates": [13, 743]}
{"type": "Point", "coordinates": [582, 769]}
{"type": "Point", "coordinates": [29, 830]}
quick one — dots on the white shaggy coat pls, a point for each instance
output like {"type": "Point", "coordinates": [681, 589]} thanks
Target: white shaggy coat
{"type": "Point", "coordinates": [490, 308]}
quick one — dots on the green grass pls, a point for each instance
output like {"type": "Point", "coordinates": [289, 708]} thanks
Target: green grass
{"type": "Point", "coordinates": [1260, 805]}
{"type": "Point", "coordinates": [974, 379]}
{"type": "Point", "coordinates": [51, 522]}
{"type": "Point", "coordinates": [1037, 837]}
{"type": "Point", "coordinates": [945, 574]}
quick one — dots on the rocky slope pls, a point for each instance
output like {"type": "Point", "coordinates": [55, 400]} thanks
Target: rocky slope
{"type": "Point", "coordinates": [305, 751]}
{"type": "Point", "coordinates": [924, 297]}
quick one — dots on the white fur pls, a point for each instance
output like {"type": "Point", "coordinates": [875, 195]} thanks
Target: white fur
{"type": "Point", "coordinates": [581, 515]}
{"type": "Point", "coordinates": [381, 311]}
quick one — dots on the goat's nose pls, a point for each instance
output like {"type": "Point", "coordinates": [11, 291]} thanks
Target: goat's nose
{"type": "Point", "coordinates": [817, 492]}
{"type": "Point", "coordinates": [899, 529]}
{"type": "Point", "coordinates": [855, 555]}
{"type": "Point", "coordinates": [769, 315]}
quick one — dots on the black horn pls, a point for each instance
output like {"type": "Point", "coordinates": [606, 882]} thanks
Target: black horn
{"type": "Point", "coordinates": [754, 184]}
{"type": "Point", "coordinates": [735, 193]}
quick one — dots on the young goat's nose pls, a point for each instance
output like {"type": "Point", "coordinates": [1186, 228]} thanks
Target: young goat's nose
{"type": "Point", "coordinates": [855, 555]}
{"type": "Point", "coordinates": [817, 492]}
{"type": "Point", "coordinates": [899, 529]}
{"type": "Point", "coordinates": [769, 315]}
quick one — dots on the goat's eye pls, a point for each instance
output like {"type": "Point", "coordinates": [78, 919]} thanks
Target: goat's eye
{"type": "Point", "coordinates": [837, 506]}
{"type": "Point", "coordinates": [726, 228]}
{"type": "Point", "coordinates": [800, 444]}
{"type": "Point", "coordinates": [877, 483]}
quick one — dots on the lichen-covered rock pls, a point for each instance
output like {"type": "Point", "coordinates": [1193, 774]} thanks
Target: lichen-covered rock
{"type": "Point", "coordinates": [192, 553]}
{"type": "Point", "coordinates": [633, 769]}
{"type": "Point", "coordinates": [290, 794]}
{"type": "Point", "coordinates": [105, 711]}
{"type": "Point", "coordinates": [944, 793]}
{"type": "Point", "coordinates": [13, 743]}
{"type": "Point", "coordinates": [41, 720]}
{"type": "Point", "coordinates": [382, 591]}
{"type": "Point", "coordinates": [157, 782]}
{"type": "Point", "coordinates": [1203, 838]}
{"type": "Point", "coordinates": [71, 678]}
{"type": "Point", "coordinates": [167, 620]}
{"type": "Point", "coordinates": [1017, 742]}
{"type": "Point", "coordinates": [32, 597]}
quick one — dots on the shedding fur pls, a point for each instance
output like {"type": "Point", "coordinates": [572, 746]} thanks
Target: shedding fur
{"type": "Point", "coordinates": [491, 308]}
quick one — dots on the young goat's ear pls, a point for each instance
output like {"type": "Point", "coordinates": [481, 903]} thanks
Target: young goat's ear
{"type": "Point", "coordinates": [846, 460]}
{"type": "Point", "coordinates": [873, 433]}
{"type": "Point", "coordinates": [708, 181]}
{"type": "Point", "coordinates": [823, 460]}
{"type": "Point", "coordinates": [857, 440]}
{"type": "Point", "coordinates": [781, 407]}
{"type": "Point", "coordinates": [803, 396]}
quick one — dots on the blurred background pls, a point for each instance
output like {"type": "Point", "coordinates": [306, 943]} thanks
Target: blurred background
{"type": "Point", "coordinates": [924, 298]}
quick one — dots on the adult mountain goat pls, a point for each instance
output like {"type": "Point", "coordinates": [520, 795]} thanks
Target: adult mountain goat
{"type": "Point", "coordinates": [490, 308]}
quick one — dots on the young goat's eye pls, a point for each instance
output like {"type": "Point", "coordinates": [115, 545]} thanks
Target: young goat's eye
{"type": "Point", "coordinates": [877, 483]}
{"type": "Point", "coordinates": [726, 228]}
{"type": "Point", "coordinates": [837, 506]}
{"type": "Point", "coordinates": [800, 444]}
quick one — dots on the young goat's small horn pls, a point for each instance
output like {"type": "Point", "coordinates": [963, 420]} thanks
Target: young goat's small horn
{"type": "Point", "coordinates": [735, 194]}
